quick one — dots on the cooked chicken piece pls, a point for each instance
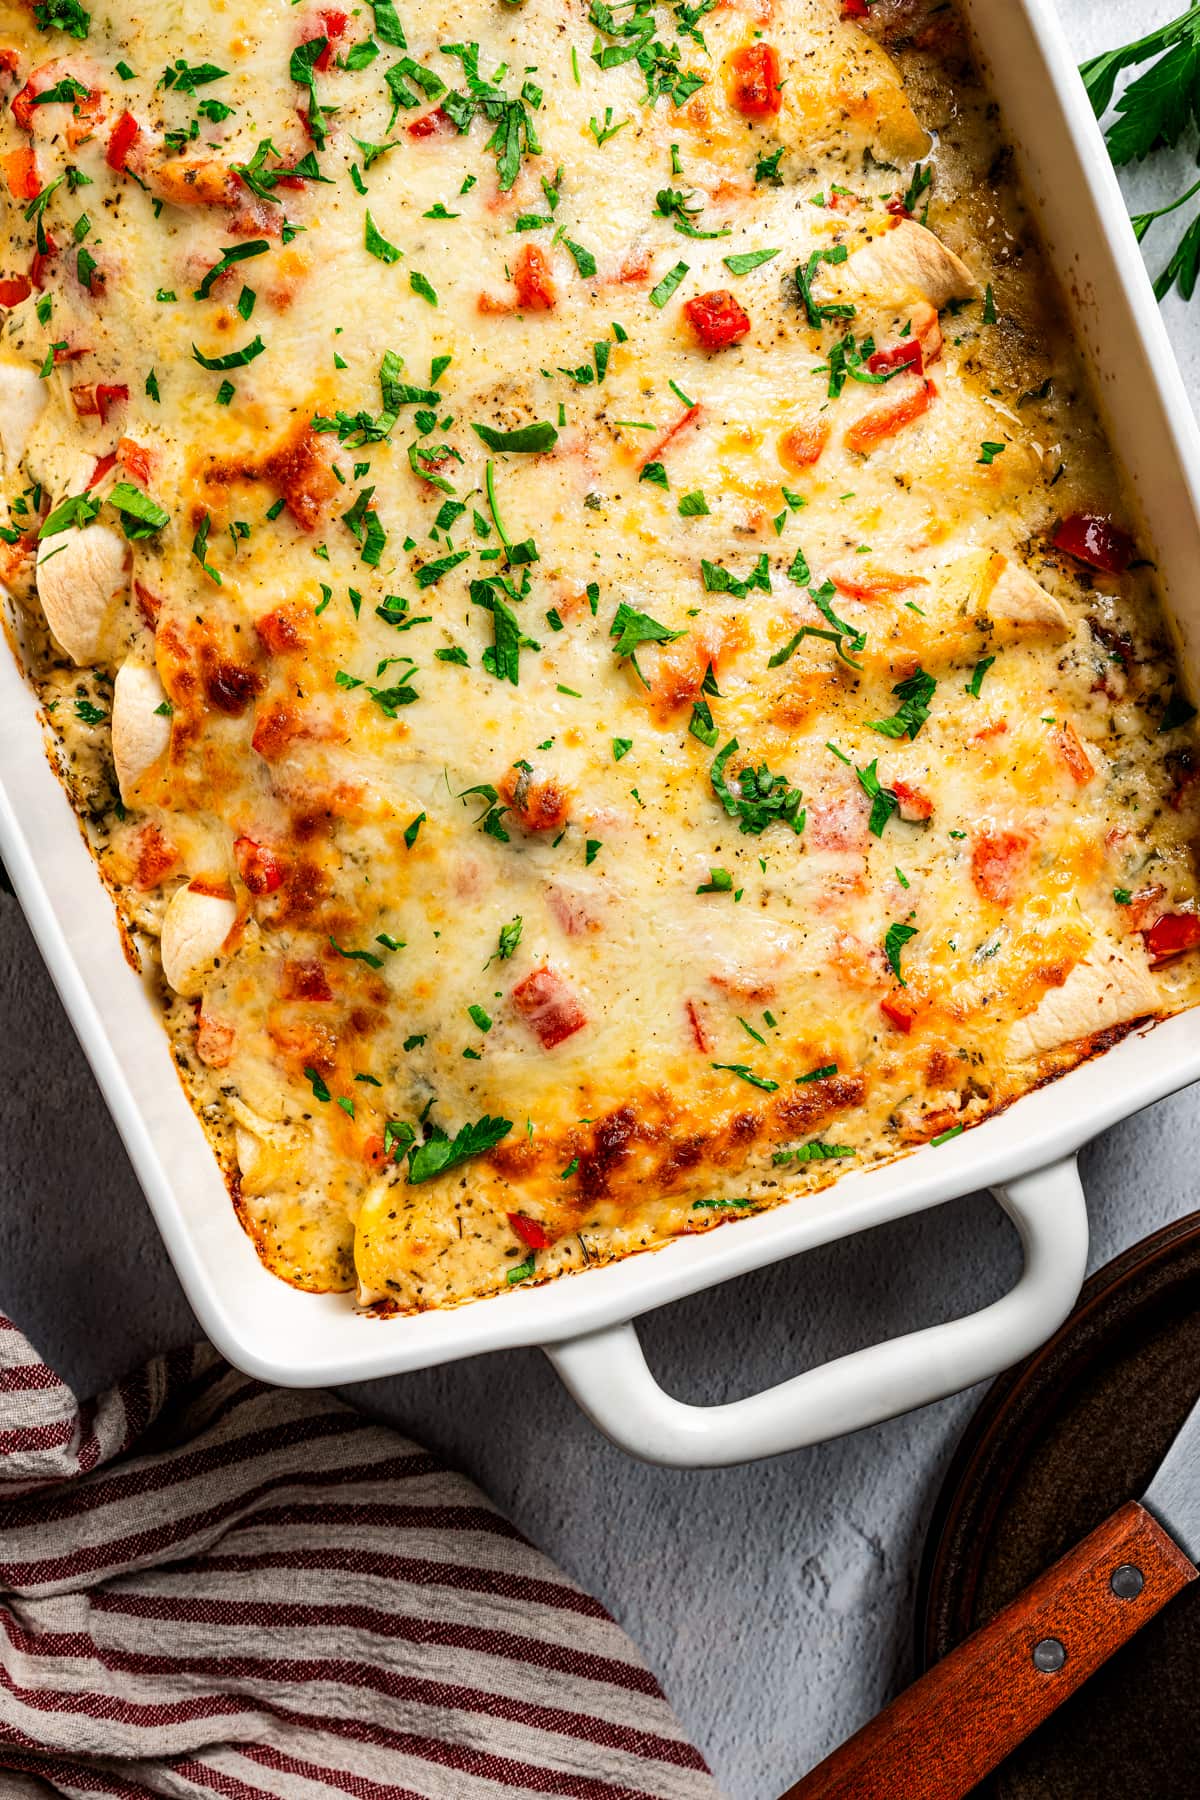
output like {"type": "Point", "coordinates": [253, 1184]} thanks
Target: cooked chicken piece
{"type": "Point", "coordinates": [141, 724]}
{"type": "Point", "coordinates": [82, 576]}
{"type": "Point", "coordinates": [1106, 988]}
{"type": "Point", "coordinates": [22, 398]}
{"type": "Point", "coordinates": [903, 266]}
{"type": "Point", "coordinates": [195, 927]}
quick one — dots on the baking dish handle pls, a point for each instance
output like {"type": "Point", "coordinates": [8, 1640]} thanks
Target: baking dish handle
{"type": "Point", "coordinates": [607, 1373]}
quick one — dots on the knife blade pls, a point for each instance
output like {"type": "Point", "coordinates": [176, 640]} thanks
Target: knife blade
{"type": "Point", "coordinates": [952, 1727]}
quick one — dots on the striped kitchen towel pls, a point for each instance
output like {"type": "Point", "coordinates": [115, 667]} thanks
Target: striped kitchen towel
{"type": "Point", "coordinates": [211, 1587]}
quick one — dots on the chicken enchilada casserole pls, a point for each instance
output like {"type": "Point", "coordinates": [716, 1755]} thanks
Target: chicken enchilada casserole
{"type": "Point", "coordinates": [578, 590]}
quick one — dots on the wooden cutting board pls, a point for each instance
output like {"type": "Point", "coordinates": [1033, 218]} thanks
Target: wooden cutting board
{"type": "Point", "coordinates": [1057, 1445]}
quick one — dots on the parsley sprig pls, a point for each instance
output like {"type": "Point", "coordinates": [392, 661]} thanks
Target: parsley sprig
{"type": "Point", "coordinates": [1154, 112]}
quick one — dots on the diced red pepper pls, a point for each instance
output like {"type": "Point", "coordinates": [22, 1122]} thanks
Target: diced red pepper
{"type": "Point", "coordinates": [717, 319]}
{"type": "Point", "coordinates": [998, 861]}
{"type": "Point", "coordinates": [1172, 935]}
{"type": "Point", "coordinates": [430, 123]}
{"type": "Point", "coordinates": [531, 1234]}
{"type": "Point", "coordinates": [915, 806]}
{"type": "Point", "coordinates": [1072, 753]}
{"type": "Point", "coordinates": [37, 268]}
{"type": "Point", "coordinates": [696, 1020]}
{"type": "Point", "coordinates": [9, 61]}
{"type": "Point", "coordinates": [22, 106]}
{"type": "Point", "coordinates": [753, 85]}
{"type": "Point", "coordinates": [333, 26]}
{"type": "Point", "coordinates": [104, 466]}
{"type": "Point", "coordinates": [855, 9]}
{"type": "Point", "coordinates": [549, 1007]}
{"type": "Point", "coordinates": [1090, 538]}
{"type": "Point", "coordinates": [94, 401]}
{"type": "Point", "coordinates": [14, 289]}
{"type": "Point", "coordinates": [534, 280]}
{"type": "Point", "coordinates": [898, 356]}
{"type": "Point", "coordinates": [659, 445]}
{"type": "Point", "coordinates": [68, 353]}
{"type": "Point", "coordinates": [20, 169]}
{"type": "Point", "coordinates": [901, 1009]}
{"type": "Point", "coordinates": [888, 417]}
{"type": "Point", "coordinates": [259, 868]}
{"type": "Point", "coordinates": [124, 134]}
{"type": "Point", "coordinates": [135, 459]}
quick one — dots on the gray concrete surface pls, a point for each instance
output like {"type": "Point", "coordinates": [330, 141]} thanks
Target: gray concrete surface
{"type": "Point", "coordinates": [775, 1601]}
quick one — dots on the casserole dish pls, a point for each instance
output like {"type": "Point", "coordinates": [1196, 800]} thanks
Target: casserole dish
{"type": "Point", "coordinates": [264, 1331]}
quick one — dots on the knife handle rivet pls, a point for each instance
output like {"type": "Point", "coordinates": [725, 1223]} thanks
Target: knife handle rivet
{"type": "Point", "coordinates": [1049, 1656]}
{"type": "Point", "coordinates": [1127, 1582]}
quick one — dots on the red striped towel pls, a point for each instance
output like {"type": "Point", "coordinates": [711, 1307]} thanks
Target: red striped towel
{"type": "Point", "coordinates": [210, 1587]}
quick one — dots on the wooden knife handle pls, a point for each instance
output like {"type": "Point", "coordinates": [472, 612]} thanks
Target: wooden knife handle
{"type": "Point", "coordinates": [948, 1730]}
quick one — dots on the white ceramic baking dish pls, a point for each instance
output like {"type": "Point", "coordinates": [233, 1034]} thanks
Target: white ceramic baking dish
{"type": "Point", "coordinates": [1027, 1155]}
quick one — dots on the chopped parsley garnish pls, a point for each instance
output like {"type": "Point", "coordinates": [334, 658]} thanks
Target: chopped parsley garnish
{"type": "Point", "coordinates": [814, 1152]}
{"type": "Point", "coordinates": [440, 1152]}
{"type": "Point", "coordinates": [758, 798]}
{"type": "Point", "coordinates": [621, 747]}
{"type": "Point", "coordinates": [515, 135]}
{"type": "Point", "coordinates": [233, 359]}
{"type": "Point", "coordinates": [748, 260]}
{"type": "Point", "coordinates": [720, 1205]}
{"type": "Point", "coordinates": [320, 1090]}
{"type": "Point", "coordinates": [77, 510]}
{"type": "Point", "coordinates": [718, 580]}
{"type": "Point", "coordinates": [430, 573]}
{"type": "Point", "coordinates": [141, 517]}
{"type": "Point", "coordinates": [230, 254]}
{"type": "Point", "coordinates": [88, 714]}
{"type": "Point", "coordinates": [411, 830]}
{"type": "Point", "coordinates": [883, 801]}
{"type": "Point", "coordinates": [479, 1017]}
{"type": "Point", "coordinates": [602, 133]}
{"type": "Point", "coordinates": [673, 204]}
{"type": "Point", "coordinates": [745, 1074]}
{"type": "Point", "coordinates": [988, 453]}
{"type": "Point", "coordinates": [805, 275]}
{"type": "Point", "coordinates": [535, 438]}
{"type": "Point", "coordinates": [720, 881]}
{"type": "Point", "coordinates": [200, 548]}
{"type": "Point", "coordinates": [421, 285]}
{"type": "Point", "coordinates": [62, 15]}
{"type": "Point", "coordinates": [523, 1270]}
{"type": "Point", "coordinates": [583, 259]}
{"type": "Point", "coordinates": [693, 505]}
{"type": "Point", "coordinates": [1123, 896]}
{"type": "Point", "coordinates": [502, 657]}
{"type": "Point", "coordinates": [977, 674]}
{"type": "Point", "coordinates": [821, 1074]}
{"type": "Point", "coordinates": [666, 287]}
{"type": "Point", "coordinates": [364, 956]}
{"type": "Point", "coordinates": [989, 305]}
{"type": "Point", "coordinates": [893, 944]}
{"type": "Point", "coordinates": [914, 693]}
{"type": "Point", "coordinates": [387, 26]}
{"type": "Point", "coordinates": [379, 246]}
{"type": "Point", "coordinates": [921, 182]}
{"type": "Point", "coordinates": [767, 167]}
{"type": "Point", "coordinates": [632, 629]}
{"type": "Point", "coordinates": [510, 937]}
{"type": "Point", "coordinates": [366, 527]}
{"type": "Point", "coordinates": [943, 1137]}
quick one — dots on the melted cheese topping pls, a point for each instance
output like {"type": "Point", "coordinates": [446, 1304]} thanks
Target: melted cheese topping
{"type": "Point", "coordinates": [581, 597]}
